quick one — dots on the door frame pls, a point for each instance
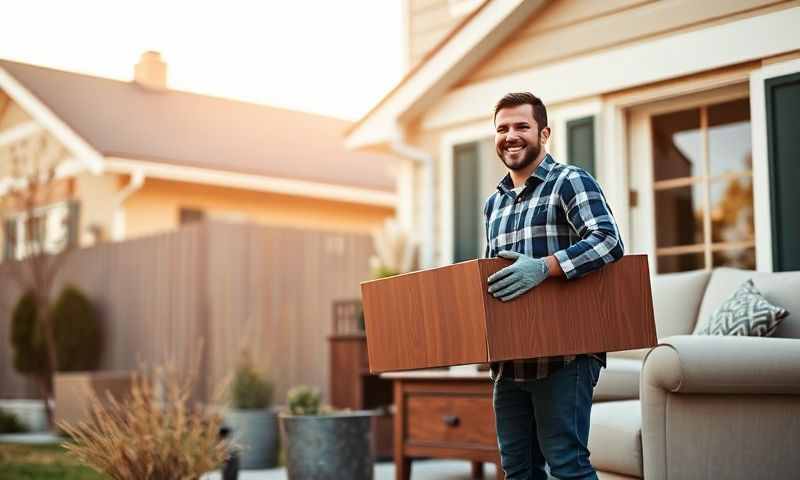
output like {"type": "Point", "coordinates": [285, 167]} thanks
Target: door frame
{"type": "Point", "coordinates": [761, 179]}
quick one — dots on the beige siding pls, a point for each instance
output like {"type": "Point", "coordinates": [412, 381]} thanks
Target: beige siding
{"type": "Point", "coordinates": [429, 21]}
{"type": "Point", "coordinates": [156, 208]}
{"type": "Point", "coordinates": [565, 29]}
{"type": "Point", "coordinates": [231, 285]}
{"type": "Point", "coordinates": [96, 194]}
{"type": "Point", "coordinates": [12, 115]}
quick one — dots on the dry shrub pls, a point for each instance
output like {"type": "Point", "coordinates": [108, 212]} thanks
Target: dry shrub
{"type": "Point", "coordinates": [157, 433]}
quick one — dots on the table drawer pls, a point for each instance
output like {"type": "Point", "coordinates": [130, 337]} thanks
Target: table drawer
{"type": "Point", "coordinates": [450, 419]}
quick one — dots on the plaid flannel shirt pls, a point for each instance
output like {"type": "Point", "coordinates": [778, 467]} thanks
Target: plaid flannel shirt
{"type": "Point", "coordinates": [561, 211]}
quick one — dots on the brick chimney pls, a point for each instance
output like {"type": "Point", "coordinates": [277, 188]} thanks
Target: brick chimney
{"type": "Point", "coordinates": [151, 72]}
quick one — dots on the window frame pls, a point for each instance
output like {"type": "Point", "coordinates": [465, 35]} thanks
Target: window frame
{"type": "Point", "coordinates": [641, 124]}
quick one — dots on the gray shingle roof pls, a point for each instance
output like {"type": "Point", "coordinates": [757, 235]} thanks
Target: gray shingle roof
{"type": "Point", "coordinates": [123, 119]}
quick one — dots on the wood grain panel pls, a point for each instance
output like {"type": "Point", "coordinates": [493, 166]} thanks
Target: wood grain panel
{"type": "Point", "coordinates": [608, 310]}
{"type": "Point", "coordinates": [444, 316]}
{"type": "Point", "coordinates": [425, 320]}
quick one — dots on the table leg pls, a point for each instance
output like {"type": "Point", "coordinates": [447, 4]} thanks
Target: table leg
{"type": "Point", "coordinates": [402, 469]}
{"type": "Point", "coordinates": [477, 471]}
{"type": "Point", "coordinates": [500, 473]}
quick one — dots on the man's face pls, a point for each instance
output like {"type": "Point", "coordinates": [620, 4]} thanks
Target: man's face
{"type": "Point", "coordinates": [517, 138]}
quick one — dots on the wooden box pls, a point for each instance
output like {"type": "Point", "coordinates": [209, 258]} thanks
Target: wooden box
{"type": "Point", "coordinates": [445, 316]}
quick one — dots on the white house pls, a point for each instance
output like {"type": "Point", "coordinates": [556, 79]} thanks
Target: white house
{"type": "Point", "coordinates": [687, 112]}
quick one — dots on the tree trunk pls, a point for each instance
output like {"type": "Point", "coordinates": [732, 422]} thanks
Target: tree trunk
{"type": "Point", "coordinates": [45, 383]}
{"type": "Point", "coordinates": [43, 321]}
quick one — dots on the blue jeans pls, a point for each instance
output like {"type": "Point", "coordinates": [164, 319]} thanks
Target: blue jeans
{"type": "Point", "coordinates": [547, 421]}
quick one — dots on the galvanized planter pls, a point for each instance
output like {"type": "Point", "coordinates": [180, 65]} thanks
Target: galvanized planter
{"type": "Point", "coordinates": [329, 447]}
{"type": "Point", "coordinates": [256, 432]}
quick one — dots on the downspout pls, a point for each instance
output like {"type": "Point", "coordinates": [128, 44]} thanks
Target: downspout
{"type": "Point", "coordinates": [425, 160]}
{"type": "Point", "coordinates": [118, 226]}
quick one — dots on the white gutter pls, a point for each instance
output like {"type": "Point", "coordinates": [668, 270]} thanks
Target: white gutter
{"type": "Point", "coordinates": [425, 160]}
{"type": "Point", "coordinates": [118, 226]}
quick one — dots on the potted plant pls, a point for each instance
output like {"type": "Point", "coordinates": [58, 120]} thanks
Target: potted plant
{"type": "Point", "coordinates": [324, 444]}
{"type": "Point", "coordinates": [253, 423]}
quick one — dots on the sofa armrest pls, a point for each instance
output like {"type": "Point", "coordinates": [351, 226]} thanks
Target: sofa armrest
{"type": "Point", "coordinates": [703, 397]}
{"type": "Point", "coordinates": [724, 365]}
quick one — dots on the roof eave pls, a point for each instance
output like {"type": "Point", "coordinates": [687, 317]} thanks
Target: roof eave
{"type": "Point", "coordinates": [85, 153]}
{"type": "Point", "coordinates": [461, 51]}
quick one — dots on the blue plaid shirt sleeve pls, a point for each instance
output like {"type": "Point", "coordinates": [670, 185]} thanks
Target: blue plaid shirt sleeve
{"type": "Point", "coordinates": [591, 218]}
{"type": "Point", "coordinates": [486, 207]}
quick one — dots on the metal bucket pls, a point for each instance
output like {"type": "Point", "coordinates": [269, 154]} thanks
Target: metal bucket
{"type": "Point", "coordinates": [256, 431]}
{"type": "Point", "coordinates": [329, 447]}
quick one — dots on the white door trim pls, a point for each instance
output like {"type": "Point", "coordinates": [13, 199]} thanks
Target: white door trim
{"type": "Point", "coordinates": [761, 188]}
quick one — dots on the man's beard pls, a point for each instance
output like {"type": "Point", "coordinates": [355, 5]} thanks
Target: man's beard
{"type": "Point", "coordinates": [531, 153]}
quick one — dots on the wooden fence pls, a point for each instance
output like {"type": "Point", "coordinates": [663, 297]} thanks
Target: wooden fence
{"type": "Point", "coordinates": [230, 286]}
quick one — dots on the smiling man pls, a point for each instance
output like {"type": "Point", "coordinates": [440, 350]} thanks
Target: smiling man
{"type": "Point", "coordinates": [552, 220]}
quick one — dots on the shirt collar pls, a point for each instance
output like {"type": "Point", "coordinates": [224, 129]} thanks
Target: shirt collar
{"type": "Point", "coordinates": [506, 185]}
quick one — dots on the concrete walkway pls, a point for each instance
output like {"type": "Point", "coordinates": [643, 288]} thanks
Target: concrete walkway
{"type": "Point", "coordinates": [420, 470]}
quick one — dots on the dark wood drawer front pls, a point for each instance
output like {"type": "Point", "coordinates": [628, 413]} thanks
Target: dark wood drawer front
{"type": "Point", "coordinates": [452, 420]}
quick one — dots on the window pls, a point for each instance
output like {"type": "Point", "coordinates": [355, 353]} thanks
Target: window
{"type": "Point", "coordinates": [467, 224]}
{"type": "Point", "coordinates": [580, 143]}
{"type": "Point", "coordinates": [703, 187]}
{"type": "Point", "coordinates": [51, 228]}
{"type": "Point", "coordinates": [190, 215]}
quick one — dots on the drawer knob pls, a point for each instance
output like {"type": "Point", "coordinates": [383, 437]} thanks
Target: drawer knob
{"type": "Point", "coordinates": [450, 420]}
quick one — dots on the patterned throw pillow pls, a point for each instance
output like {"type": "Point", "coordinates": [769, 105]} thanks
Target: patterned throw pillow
{"type": "Point", "coordinates": [747, 313]}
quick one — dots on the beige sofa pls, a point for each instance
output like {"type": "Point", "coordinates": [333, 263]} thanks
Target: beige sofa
{"type": "Point", "coordinates": [711, 407]}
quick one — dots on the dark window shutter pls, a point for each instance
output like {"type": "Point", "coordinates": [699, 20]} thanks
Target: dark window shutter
{"type": "Point", "coordinates": [783, 147]}
{"type": "Point", "coordinates": [74, 223]}
{"type": "Point", "coordinates": [467, 208]}
{"type": "Point", "coordinates": [9, 238]}
{"type": "Point", "coordinates": [580, 143]}
{"type": "Point", "coordinates": [191, 215]}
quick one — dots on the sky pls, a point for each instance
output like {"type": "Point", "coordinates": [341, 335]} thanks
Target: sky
{"type": "Point", "coordinates": [337, 58]}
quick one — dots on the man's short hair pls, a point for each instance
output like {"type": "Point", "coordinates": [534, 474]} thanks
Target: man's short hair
{"type": "Point", "coordinates": [524, 98]}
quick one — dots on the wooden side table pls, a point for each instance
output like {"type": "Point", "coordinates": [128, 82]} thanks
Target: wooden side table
{"type": "Point", "coordinates": [443, 414]}
{"type": "Point", "coordinates": [353, 386]}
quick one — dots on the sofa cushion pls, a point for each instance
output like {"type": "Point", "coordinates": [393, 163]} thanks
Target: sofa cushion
{"type": "Point", "coordinates": [676, 301]}
{"type": "Point", "coordinates": [615, 437]}
{"type": "Point", "coordinates": [779, 288]}
{"type": "Point", "coordinates": [619, 380]}
{"type": "Point", "coordinates": [745, 313]}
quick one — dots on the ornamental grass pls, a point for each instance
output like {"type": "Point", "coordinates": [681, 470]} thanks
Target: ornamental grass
{"type": "Point", "coordinates": [157, 433]}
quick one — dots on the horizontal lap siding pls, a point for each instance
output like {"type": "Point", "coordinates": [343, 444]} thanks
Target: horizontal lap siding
{"type": "Point", "coordinates": [566, 29]}
{"type": "Point", "coordinates": [429, 22]}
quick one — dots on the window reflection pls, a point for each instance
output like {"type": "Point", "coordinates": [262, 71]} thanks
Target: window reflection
{"type": "Point", "coordinates": [680, 163]}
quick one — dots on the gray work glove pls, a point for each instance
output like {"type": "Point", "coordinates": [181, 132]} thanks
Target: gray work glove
{"type": "Point", "coordinates": [519, 277]}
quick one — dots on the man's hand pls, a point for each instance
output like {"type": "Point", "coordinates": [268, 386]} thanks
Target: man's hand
{"type": "Point", "coordinates": [519, 277]}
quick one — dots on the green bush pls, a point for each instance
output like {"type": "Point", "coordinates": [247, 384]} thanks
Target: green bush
{"type": "Point", "coordinates": [9, 423]}
{"type": "Point", "coordinates": [75, 326]}
{"type": "Point", "coordinates": [249, 389]}
{"type": "Point", "coordinates": [304, 400]}
{"type": "Point", "coordinates": [77, 331]}
{"type": "Point", "coordinates": [29, 354]}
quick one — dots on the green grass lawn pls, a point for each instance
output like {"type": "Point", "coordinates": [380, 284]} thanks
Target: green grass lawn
{"type": "Point", "coordinates": [41, 462]}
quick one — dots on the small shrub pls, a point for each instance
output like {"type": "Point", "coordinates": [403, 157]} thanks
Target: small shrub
{"type": "Point", "coordinates": [77, 331]}
{"type": "Point", "coordinates": [249, 390]}
{"type": "Point", "coordinates": [151, 435]}
{"type": "Point", "coordinates": [27, 343]}
{"type": "Point", "coordinates": [9, 423]}
{"type": "Point", "coordinates": [304, 400]}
